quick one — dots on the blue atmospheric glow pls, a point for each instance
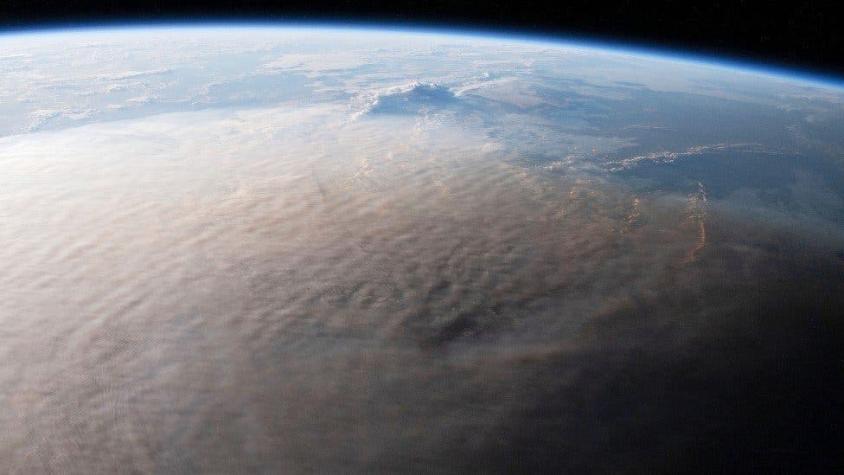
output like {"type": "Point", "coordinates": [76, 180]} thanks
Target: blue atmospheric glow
{"type": "Point", "coordinates": [500, 34]}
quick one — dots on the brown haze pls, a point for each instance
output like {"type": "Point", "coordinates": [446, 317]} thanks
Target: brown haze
{"type": "Point", "coordinates": [291, 290]}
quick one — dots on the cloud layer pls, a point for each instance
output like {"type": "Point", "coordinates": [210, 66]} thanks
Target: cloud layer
{"type": "Point", "coordinates": [444, 282]}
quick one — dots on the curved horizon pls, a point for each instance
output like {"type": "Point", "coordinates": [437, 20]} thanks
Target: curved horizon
{"type": "Point", "coordinates": [633, 48]}
{"type": "Point", "coordinates": [315, 247]}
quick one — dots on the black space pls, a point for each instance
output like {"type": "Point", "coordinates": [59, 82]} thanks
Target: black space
{"type": "Point", "coordinates": [803, 35]}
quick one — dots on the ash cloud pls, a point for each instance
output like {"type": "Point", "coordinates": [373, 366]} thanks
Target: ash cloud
{"type": "Point", "coordinates": [457, 313]}
{"type": "Point", "coordinates": [413, 98]}
{"type": "Point", "coordinates": [284, 290]}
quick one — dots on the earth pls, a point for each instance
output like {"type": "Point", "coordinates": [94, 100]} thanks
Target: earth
{"type": "Point", "coordinates": [303, 249]}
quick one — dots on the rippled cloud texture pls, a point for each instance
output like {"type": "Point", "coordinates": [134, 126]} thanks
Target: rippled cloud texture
{"type": "Point", "coordinates": [256, 250]}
